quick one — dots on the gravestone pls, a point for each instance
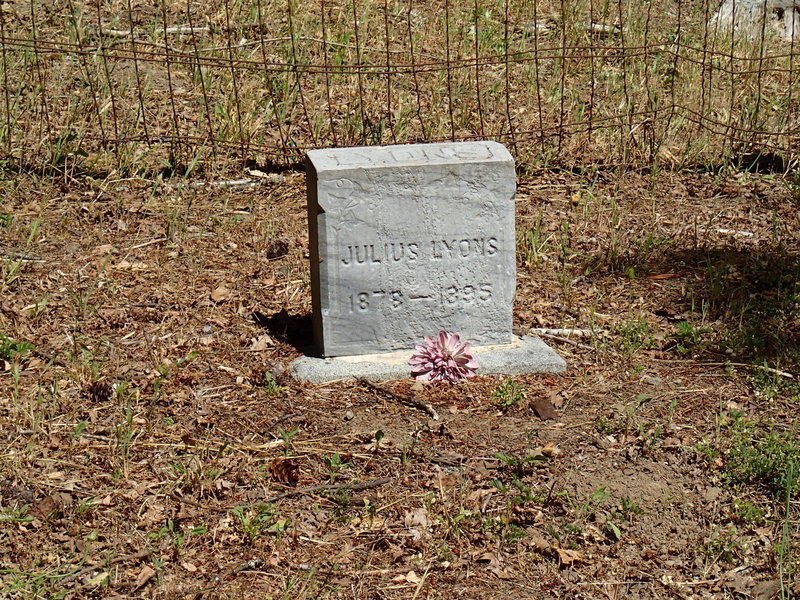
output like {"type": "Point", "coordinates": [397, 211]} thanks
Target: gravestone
{"type": "Point", "coordinates": [409, 240]}
{"type": "Point", "coordinates": [756, 18]}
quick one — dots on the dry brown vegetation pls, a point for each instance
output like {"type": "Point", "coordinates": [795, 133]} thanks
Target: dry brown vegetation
{"type": "Point", "coordinates": [185, 87]}
{"type": "Point", "coordinates": [152, 445]}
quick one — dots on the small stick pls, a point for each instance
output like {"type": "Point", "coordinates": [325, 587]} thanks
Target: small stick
{"type": "Point", "coordinates": [762, 367]}
{"type": "Point", "coordinates": [404, 398]}
{"type": "Point", "coordinates": [558, 338]}
{"type": "Point", "coordinates": [564, 332]}
{"type": "Point", "coordinates": [150, 243]}
{"type": "Point", "coordinates": [422, 580]}
{"type": "Point", "coordinates": [113, 561]}
{"type": "Point", "coordinates": [328, 487]}
{"type": "Point", "coordinates": [728, 364]}
{"type": "Point", "coordinates": [179, 29]}
{"type": "Point", "coordinates": [194, 503]}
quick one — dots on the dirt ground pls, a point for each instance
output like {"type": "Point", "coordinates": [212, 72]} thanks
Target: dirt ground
{"type": "Point", "coordinates": [152, 445]}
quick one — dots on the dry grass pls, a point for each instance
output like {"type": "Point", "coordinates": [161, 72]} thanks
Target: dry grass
{"type": "Point", "coordinates": [207, 84]}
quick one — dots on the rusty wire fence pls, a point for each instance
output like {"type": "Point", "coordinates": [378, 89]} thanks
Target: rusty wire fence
{"type": "Point", "coordinates": [184, 86]}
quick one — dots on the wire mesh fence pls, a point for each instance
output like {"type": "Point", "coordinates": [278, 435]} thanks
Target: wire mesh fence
{"type": "Point", "coordinates": [183, 86]}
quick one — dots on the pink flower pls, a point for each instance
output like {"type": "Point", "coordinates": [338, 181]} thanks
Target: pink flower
{"type": "Point", "coordinates": [444, 358]}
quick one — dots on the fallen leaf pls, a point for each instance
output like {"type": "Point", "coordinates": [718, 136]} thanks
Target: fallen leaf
{"type": "Point", "coordinates": [418, 385]}
{"type": "Point", "coordinates": [145, 575]}
{"type": "Point", "coordinates": [276, 249]}
{"type": "Point", "coordinates": [125, 265]}
{"type": "Point", "coordinates": [544, 409]}
{"type": "Point", "coordinates": [478, 499]}
{"type": "Point", "coordinates": [189, 567]}
{"type": "Point", "coordinates": [567, 557]}
{"type": "Point", "coordinates": [446, 481]}
{"type": "Point", "coordinates": [489, 557]}
{"type": "Point", "coordinates": [550, 450]}
{"type": "Point", "coordinates": [500, 573]}
{"type": "Point", "coordinates": [663, 276]}
{"type": "Point", "coordinates": [412, 577]}
{"type": "Point", "coordinates": [416, 518]}
{"type": "Point", "coordinates": [556, 399]}
{"type": "Point", "coordinates": [97, 579]}
{"type": "Point", "coordinates": [52, 506]}
{"type": "Point", "coordinates": [766, 590]}
{"type": "Point", "coordinates": [738, 582]}
{"type": "Point", "coordinates": [262, 342]}
{"type": "Point", "coordinates": [537, 542]}
{"type": "Point", "coordinates": [221, 294]}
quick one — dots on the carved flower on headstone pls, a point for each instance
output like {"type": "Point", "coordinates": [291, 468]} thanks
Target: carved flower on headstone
{"type": "Point", "coordinates": [444, 358]}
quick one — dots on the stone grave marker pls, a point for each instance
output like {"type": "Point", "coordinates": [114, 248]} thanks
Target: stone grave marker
{"type": "Point", "coordinates": [408, 240]}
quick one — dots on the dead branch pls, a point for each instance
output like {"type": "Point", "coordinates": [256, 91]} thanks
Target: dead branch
{"type": "Point", "coordinates": [113, 561]}
{"type": "Point", "coordinates": [403, 398]}
{"type": "Point", "coordinates": [567, 332]}
{"type": "Point", "coordinates": [559, 338]}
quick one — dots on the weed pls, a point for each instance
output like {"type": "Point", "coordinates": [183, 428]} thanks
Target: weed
{"type": "Point", "coordinates": [508, 394]}
{"type": "Point", "coordinates": [747, 512]}
{"type": "Point", "coordinates": [768, 461]}
{"type": "Point", "coordinates": [611, 426]}
{"type": "Point", "coordinates": [520, 466]}
{"type": "Point", "coordinates": [724, 544]}
{"type": "Point", "coordinates": [271, 386]}
{"type": "Point", "coordinates": [15, 514]}
{"type": "Point", "coordinates": [689, 337]}
{"type": "Point", "coordinates": [532, 243]}
{"type": "Point", "coordinates": [787, 565]}
{"type": "Point", "coordinates": [257, 521]}
{"type": "Point", "coordinates": [176, 533]}
{"type": "Point", "coordinates": [335, 465]}
{"type": "Point", "coordinates": [287, 436]}
{"type": "Point", "coordinates": [629, 507]}
{"type": "Point", "coordinates": [6, 219]}
{"type": "Point", "coordinates": [770, 385]}
{"type": "Point", "coordinates": [125, 432]}
{"type": "Point", "coordinates": [635, 335]}
{"type": "Point", "coordinates": [9, 349]}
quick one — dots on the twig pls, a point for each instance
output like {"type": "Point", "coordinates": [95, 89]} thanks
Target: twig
{"type": "Point", "coordinates": [113, 561]}
{"type": "Point", "coordinates": [422, 580]}
{"type": "Point", "coordinates": [564, 332]}
{"type": "Point", "coordinates": [248, 565]}
{"type": "Point", "coordinates": [762, 367]}
{"type": "Point", "coordinates": [731, 364]}
{"type": "Point", "coordinates": [178, 29]}
{"type": "Point", "coordinates": [404, 398]}
{"type": "Point", "coordinates": [196, 504]}
{"type": "Point", "coordinates": [145, 244]}
{"type": "Point", "coordinates": [328, 487]}
{"type": "Point", "coordinates": [558, 338]}
{"type": "Point", "coordinates": [230, 183]}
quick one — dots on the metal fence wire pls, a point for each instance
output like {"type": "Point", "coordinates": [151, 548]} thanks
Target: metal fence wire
{"type": "Point", "coordinates": [182, 85]}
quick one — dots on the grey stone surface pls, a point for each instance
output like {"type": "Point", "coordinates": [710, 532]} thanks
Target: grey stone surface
{"type": "Point", "coordinates": [408, 240]}
{"type": "Point", "coordinates": [528, 354]}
